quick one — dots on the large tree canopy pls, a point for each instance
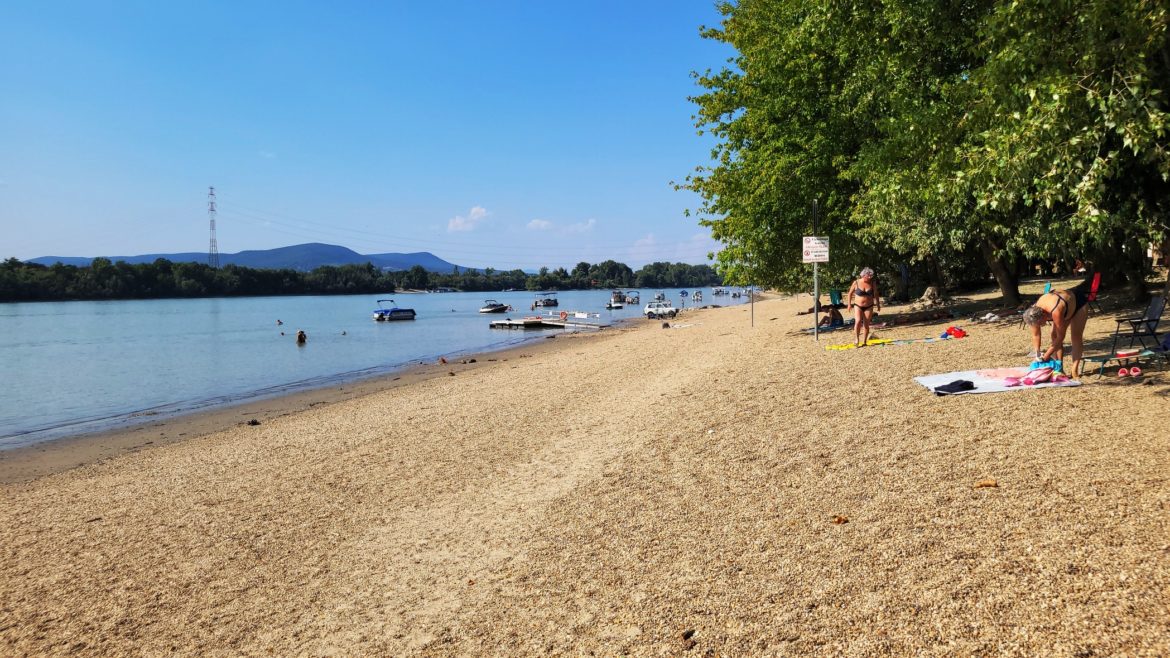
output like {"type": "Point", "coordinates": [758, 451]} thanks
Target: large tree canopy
{"type": "Point", "coordinates": [934, 130]}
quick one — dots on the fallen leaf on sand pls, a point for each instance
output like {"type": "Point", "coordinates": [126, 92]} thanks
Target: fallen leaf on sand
{"type": "Point", "coordinates": [838, 519]}
{"type": "Point", "coordinates": [986, 483]}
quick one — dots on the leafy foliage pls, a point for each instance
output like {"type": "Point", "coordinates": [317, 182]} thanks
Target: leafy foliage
{"type": "Point", "coordinates": [930, 131]}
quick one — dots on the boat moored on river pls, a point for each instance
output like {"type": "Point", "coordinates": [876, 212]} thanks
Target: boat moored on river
{"type": "Point", "coordinates": [545, 299]}
{"type": "Point", "coordinates": [492, 306]}
{"type": "Point", "coordinates": [391, 313]}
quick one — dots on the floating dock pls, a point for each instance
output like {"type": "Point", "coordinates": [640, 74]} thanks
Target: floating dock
{"type": "Point", "coordinates": [569, 321]}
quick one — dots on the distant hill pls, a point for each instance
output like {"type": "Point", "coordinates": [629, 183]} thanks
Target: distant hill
{"type": "Point", "coordinates": [302, 257]}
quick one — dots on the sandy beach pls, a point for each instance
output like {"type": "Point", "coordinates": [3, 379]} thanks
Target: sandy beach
{"type": "Point", "coordinates": [714, 488]}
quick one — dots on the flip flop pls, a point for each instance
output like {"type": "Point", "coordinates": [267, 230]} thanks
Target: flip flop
{"type": "Point", "coordinates": [1135, 372]}
{"type": "Point", "coordinates": [1123, 372]}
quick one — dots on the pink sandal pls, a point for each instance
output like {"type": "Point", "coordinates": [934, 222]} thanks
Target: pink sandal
{"type": "Point", "coordinates": [1135, 372]}
{"type": "Point", "coordinates": [1123, 372]}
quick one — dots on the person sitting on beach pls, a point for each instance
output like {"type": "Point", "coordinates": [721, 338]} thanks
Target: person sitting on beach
{"type": "Point", "coordinates": [865, 290]}
{"type": "Point", "coordinates": [832, 318]}
{"type": "Point", "coordinates": [301, 338]}
{"type": "Point", "coordinates": [1066, 310]}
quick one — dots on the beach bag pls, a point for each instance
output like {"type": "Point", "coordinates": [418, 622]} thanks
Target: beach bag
{"type": "Point", "coordinates": [1037, 376]}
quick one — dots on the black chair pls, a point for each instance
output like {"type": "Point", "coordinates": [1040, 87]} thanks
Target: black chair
{"type": "Point", "coordinates": [1140, 328]}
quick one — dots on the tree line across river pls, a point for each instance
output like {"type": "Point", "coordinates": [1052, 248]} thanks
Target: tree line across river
{"type": "Point", "coordinates": [103, 279]}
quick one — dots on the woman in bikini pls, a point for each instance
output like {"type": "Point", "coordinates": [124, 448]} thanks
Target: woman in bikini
{"type": "Point", "coordinates": [865, 289]}
{"type": "Point", "coordinates": [1065, 309]}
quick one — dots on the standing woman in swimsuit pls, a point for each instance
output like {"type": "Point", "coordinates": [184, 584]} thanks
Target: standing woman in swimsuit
{"type": "Point", "coordinates": [1066, 309]}
{"type": "Point", "coordinates": [865, 290]}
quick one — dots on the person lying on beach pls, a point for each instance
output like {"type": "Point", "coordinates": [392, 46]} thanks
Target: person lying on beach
{"type": "Point", "coordinates": [832, 318]}
{"type": "Point", "coordinates": [1066, 310]}
{"type": "Point", "coordinates": [815, 308]}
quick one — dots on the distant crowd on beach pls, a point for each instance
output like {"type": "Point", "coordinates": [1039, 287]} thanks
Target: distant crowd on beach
{"type": "Point", "coordinates": [1066, 310]}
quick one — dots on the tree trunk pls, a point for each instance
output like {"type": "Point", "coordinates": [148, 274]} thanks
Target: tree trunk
{"type": "Point", "coordinates": [902, 283]}
{"type": "Point", "coordinates": [1133, 265]}
{"type": "Point", "coordinates": [934, 275]}
{"type": "Point", "coordinates": [1009, 284]}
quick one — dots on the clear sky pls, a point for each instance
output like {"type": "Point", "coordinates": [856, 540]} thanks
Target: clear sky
{"type": "Point", "coordinates": [501, 134]}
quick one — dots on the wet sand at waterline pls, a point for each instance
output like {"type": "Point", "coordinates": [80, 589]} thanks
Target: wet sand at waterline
{"type": "Point", "coordinates": [712, 488]}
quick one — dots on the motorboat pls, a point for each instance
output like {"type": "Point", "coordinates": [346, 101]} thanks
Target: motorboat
{"type": "Point", "coordinates": [634, 297]}
{"type": "Point", "coordinates": [545, 299]}
{"type": "Point", "coordinates": [697, 296]}
{"type": "Point", "coordinates": [492, 306]}
{"type": "Point", "coordinates": [659, 296]}
{"type": "Point", "coordinates": [617, 299]}
{"type": "Point", "coordinates": [389, 313]}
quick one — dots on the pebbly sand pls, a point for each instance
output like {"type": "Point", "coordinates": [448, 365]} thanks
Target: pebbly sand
{"type": "Point", "coordinates": [709, 489]}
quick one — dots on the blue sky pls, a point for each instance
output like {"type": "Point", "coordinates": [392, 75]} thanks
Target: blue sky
{"type": "Point", "coordinates": [501, 134]}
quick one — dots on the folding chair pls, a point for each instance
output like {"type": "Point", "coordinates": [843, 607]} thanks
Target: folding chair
{"type": "Point", "coordinates": [1091, 302]}
{"type": "Point", "coordinates": [1142, 327]}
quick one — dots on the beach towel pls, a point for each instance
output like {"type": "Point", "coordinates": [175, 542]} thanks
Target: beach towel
{"type": "Point", "coordinates": [983, 383]}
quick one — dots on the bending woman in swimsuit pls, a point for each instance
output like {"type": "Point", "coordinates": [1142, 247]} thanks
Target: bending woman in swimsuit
{"type": "Point", "coordinates": [865, 289]}
{"type": "Point", "coordinates": [1066, 309]}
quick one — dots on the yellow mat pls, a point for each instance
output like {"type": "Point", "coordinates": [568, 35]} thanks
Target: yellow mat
{"type": "Point", "coordinates": [851, 346]}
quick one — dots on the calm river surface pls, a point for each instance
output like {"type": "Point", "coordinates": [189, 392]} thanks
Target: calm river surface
{"type": "Point", "coordinates": [74, 367]}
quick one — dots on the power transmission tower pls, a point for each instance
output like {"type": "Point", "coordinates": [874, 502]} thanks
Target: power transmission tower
{"type": "Point", "coordinates": [213, 250]}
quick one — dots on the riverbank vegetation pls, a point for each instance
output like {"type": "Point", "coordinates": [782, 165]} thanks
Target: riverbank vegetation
{"type": "Point", "coordinates": [20, 281]}
{"type": "Point", "coordinates": [943, 141]}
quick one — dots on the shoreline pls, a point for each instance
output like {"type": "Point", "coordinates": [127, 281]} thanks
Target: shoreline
{"type": "Point", "coordinates": [719, 488]}
{"type": "Point", "coordinates": [30, 462]}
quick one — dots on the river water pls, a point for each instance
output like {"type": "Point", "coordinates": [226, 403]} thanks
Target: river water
{"type": "Point", "coordinates": [70, 368]}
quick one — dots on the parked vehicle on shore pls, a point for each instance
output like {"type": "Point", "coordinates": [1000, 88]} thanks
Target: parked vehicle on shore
{"type": "Point", "coordinates": [659, 309]}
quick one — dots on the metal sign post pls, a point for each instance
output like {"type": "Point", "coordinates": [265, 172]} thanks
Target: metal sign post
{"type": "Point", "coordinates": [816, 251]}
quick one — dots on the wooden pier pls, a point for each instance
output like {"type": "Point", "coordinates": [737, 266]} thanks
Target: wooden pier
{"type": "Point", "coordinates": [552, 321]}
